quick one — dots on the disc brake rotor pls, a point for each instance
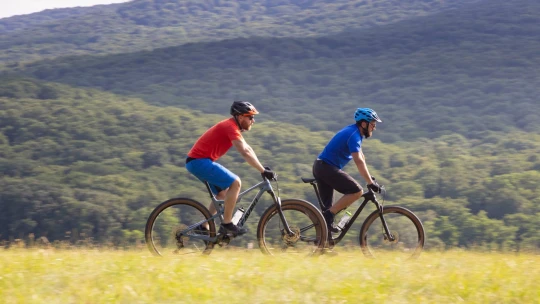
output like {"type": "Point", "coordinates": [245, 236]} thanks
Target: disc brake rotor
{"type": "Point", "coordinates": [292, 239]}
{"type": "Point", "coordinates": [388, 241]}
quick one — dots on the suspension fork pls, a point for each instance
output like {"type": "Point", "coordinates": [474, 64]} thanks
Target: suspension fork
{"type": "Point", "coordinates": [385, 225]}
{"type": "Point", "coordinates": [277, 202]}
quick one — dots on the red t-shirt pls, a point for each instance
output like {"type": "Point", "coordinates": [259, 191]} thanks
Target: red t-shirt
{"type": "Point", "coordinates": [216, 141]}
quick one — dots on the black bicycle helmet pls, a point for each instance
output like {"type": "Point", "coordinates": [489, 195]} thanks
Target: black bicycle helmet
{"type": "Point", "coordinates": [243, 108]}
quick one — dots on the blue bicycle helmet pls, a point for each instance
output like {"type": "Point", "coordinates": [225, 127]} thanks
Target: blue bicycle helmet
{"type": "Point", "coordinates": [366, 114]}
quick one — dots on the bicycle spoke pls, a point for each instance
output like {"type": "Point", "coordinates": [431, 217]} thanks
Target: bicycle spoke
{"type": "Point", "coordinates": [303, 223]}
{"type": "Point", "coordinates": [405, 228]}
{"type": "Point", "coordinates": [306, 228]}
{"type": "Point", "coordinates": [175, 229]}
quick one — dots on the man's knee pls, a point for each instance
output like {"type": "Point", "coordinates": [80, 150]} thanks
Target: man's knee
{"type": "Point", "coordinates": [358, 194]}
{"type": "Point", "coordinates": [221, 195]}
{"type": "Point", "coordinates": [237, 183]}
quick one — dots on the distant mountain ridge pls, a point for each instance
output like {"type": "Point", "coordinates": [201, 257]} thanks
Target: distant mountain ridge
{"type": "Point", "coordinates": [20, 22]}
{"type": "Point", "coordinates": [457, 92]}
{"type": "Point", "coordinates": [150, 24]}
{"type": "Point", "coordinates": [463, 71]}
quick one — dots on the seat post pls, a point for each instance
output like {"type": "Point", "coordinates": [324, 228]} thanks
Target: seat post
{"type": "Point", "coordinates": [314, 184]}
{"type": "Point", "coordinates": [209, 190]}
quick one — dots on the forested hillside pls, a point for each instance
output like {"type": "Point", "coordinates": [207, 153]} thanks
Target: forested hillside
{"type": "Point", "coordinates": [150, 24]}
{"type": "Point", "coordinates": [467, 71]}
{"type": "Point", "coordinates": [93, 164]}
{"type": "Point", "coordinates": [89, 144]}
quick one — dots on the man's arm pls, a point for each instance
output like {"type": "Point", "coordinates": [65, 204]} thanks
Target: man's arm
{"type": "Point", "coordinates": [360, 162]}
{"type": "Point", "coordinates": [247, 152]}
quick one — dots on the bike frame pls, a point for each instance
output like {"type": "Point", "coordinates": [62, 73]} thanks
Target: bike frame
{"type": "Point", "coordinates": [368, 196]}
{"type": "Point", "coordinates": [264, 186]}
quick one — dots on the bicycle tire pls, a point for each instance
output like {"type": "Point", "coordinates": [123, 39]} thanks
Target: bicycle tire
{"type": "Point", "coordinates": [413, 236]}
{"type": "Point", "coordinates": [188, 212]}
{"type": "Point", "coordinates": [270, 229]}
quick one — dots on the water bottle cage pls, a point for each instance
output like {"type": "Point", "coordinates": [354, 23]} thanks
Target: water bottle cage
{"type": "Point", "coordinates": [238, 215]}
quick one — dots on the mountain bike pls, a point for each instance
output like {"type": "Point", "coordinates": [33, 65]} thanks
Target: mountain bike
{"type": "Point", "coordinates": [176, 226]}
{"type": "Point", "coordinates": [389, 232]}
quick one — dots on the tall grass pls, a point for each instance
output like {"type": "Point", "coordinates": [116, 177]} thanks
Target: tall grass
{"type": "Point", "coordinates": [247, 276]}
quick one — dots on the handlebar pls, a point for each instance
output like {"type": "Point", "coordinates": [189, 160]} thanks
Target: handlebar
{"type": "Point", "coordinates": [273, 179]}
{"type": "Point", "coordinates": [370, 195]}
{"type": "Point", "coordinates": [267, 169]}
{"type": "Point", "coordinates": [383, 189]}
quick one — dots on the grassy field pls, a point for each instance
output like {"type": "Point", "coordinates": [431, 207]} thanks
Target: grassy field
{"type": "Point", "coordinates": [239, 276]}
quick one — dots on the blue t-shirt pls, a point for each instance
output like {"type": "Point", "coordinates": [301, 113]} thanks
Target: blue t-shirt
{"type": "Point", "coordinates": [338, 151]}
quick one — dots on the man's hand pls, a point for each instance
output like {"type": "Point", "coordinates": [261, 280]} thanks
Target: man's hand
{"type": "Point", "coordinates": [268, 173]}
{"type": "Point", "coordinates": [374, 187]}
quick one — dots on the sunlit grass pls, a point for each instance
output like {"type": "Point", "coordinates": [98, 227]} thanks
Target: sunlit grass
{"type": "Point", "coordinates": [239, 276]}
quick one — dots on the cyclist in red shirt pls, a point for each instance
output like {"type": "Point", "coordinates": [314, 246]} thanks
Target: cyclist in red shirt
{"type": "Point", "coordinates": [213, 144]}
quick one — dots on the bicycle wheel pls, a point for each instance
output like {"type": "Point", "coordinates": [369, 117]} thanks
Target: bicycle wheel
{"type": "Point", "coordinates": [304, 219]}
{"type": "Point", "coordinates": [403, 225]}
{"type": "Point", "coordinates": [167, 230]}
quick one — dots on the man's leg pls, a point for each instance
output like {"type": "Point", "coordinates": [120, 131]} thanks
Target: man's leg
{"type": "Point", "coordinates": [351, 190]}
{"type": "Point", "coordinates": [229, 195]}
{"type": "Point", "coordinates": [230, 200]}
{"type": "Point", "coordinates": [345, 201]}
{"type": "Point", "coordinates": [327, 195]}
{"type": "Point", "coordinates": [220, 196]}
{"type": "Point", "coordinates": [212, 207]}
{"type": "Point", "coordinates": [219, 178]}
{"type": "Point", "coordinates": [342, 182]}
{"type": "Point", "coordinates": [326, 192]}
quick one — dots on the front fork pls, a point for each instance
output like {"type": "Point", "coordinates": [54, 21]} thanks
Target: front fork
{"type": "Point", "coordinates": [277, 202]}
{"type": "Point", "coordinates": [387, 235]}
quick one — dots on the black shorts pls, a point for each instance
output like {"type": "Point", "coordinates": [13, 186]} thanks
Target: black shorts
{"type": "Point", "coordinates": [330, 178]}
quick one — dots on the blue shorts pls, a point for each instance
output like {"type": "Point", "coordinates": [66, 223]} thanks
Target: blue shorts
{"type": "Point", "coordinates": [219, 177]}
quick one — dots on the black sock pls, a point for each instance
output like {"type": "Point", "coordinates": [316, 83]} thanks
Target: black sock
{"type": "Point", "coordinates": [328, 216]}
{"type": "Point", "coordinates": [228, 225]}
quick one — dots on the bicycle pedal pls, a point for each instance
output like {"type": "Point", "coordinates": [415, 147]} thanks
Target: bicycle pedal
{"type": "Point", "coordinates": [223, 240]}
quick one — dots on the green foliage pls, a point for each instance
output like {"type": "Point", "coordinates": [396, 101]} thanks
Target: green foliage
{"type": "Point", "coordinates": [26, 89]}
{"type": "Point", "coordinates": [92, 165]}
{"type": "Point", "coordinates": [131, 26]}
{"type": "Point", "coordinates": [425, 82]}
{"type": "Point", "coordinates": [459, 143]}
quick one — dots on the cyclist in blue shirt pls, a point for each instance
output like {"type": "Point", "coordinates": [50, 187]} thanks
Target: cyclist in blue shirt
{"type": "Point", "coordinates": [327, 169]}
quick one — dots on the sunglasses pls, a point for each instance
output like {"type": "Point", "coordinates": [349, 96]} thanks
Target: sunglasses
{"type": "Point", "coordinates": [251, 117]}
